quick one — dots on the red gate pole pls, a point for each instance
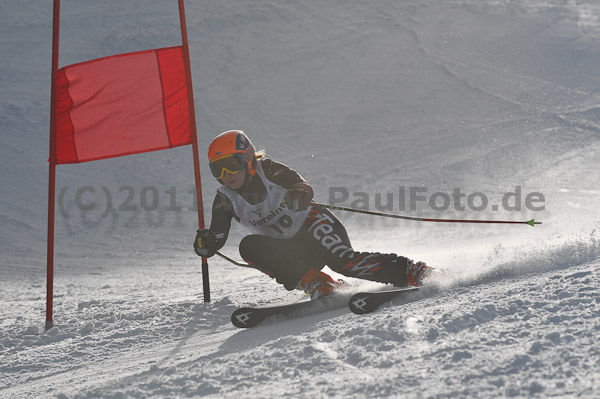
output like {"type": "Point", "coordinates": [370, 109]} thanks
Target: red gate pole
{"type": "Point", "coordinates": [52, 169]}
{"type": "Point", "coordinates": [188, 72]}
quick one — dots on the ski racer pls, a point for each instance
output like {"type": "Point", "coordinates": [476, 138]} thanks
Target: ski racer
{"type": "Point", "coordinates": [293, 238]}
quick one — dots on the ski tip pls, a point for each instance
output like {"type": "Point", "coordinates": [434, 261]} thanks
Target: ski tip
{"type": "Point", "coordinates": [367, 302]}
{"type": "Point", "coordinates": [359, 304]}
{"type": "Point", "coordinates": [241, 318]}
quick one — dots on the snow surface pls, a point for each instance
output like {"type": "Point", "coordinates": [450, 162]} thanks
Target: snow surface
{"type": "Point", "coordinates": [371, 96]}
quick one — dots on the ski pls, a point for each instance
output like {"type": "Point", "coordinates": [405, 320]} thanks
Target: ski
{"type": "Point", "coordinates": [248, 317]}
{"type": "Point", "coordinates": [367, 302]}
{"type": "Point", "coordinates": [359, 303]}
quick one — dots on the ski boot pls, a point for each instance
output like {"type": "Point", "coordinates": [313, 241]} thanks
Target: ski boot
{"type": "Point", "coordinates": [416, 273]}
{"type": "Point", "coordinates": [318, 284]}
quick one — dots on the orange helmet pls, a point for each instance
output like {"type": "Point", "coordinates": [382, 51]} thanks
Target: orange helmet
{"type": "Point", "coordinates": [231, 151]}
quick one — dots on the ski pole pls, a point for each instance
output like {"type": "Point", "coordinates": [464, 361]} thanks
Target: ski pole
{"type": "Point", "coordinates": [531, 222]}
{"type": "Point", "coordinates": [235, 262]}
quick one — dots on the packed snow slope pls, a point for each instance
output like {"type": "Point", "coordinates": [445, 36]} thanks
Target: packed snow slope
{"type": "Point", "coordinates": [367, 100]}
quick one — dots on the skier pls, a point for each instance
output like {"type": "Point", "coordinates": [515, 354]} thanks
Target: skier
{"type": "Point", "coordinates": [294, 238]}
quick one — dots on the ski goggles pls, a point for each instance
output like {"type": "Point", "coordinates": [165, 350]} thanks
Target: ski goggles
{"type": "Point", "coordinates": [231, 164]}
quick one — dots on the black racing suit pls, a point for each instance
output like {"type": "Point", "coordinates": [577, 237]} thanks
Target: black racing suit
{"type": "Point", "coordinates": [321, 241]}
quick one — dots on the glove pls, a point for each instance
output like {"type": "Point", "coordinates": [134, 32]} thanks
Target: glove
{"type": "Point", "coordinates": [299, 197]}
{"type": "Point", "coordinates": [205, 244]}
